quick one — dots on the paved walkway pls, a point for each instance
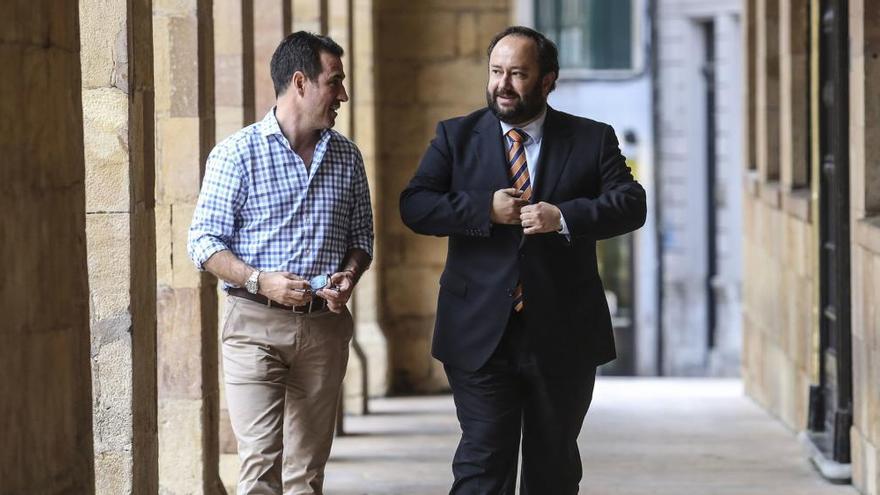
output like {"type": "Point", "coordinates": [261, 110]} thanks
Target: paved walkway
{"type": "Point", "coordinates": [642, 437]}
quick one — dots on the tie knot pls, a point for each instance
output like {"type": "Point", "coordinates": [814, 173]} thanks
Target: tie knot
{"type": "Point", "coordinates": [517, 135]}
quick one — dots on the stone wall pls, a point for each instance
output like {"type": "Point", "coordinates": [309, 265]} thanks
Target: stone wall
{"type": "Point", "coordinates": [430, 65]}
{"type": "Point", "coordinates": [45, 387]}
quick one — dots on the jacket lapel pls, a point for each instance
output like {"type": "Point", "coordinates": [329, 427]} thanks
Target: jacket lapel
{"type": "Point", "coordinates": [490, 151]}
{"type": "Point", "coordinates": [555, 149]}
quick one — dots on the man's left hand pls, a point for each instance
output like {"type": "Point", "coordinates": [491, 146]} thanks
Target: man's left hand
{"type": "Point", "coordinates": [540, 218]}
{"type": "Point", "coordinates": [339, 295]}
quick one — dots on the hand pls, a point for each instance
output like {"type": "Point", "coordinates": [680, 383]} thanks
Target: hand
{"type": "Point", "coordinates": [540, 218]}
{"type": "Point", "coordinates": [506, 204]}
{"type": "Point", "coordinates": [285, 288]}
{"type": "Point", "coordinates": [342, 286]}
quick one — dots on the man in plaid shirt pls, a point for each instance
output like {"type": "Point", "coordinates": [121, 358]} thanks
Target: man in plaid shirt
{"type": "Point", "coordinates": [284, 219]}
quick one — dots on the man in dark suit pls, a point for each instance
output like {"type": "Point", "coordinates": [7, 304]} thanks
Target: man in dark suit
{"type": "Point", "coordinates": [523, 192]}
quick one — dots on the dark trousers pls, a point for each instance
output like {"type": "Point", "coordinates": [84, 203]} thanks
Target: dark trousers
{"type": "Point", "coordinates": [509, 397]}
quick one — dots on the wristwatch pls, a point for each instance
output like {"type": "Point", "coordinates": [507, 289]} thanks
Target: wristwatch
{"type": "Point", "coordinates": [252, 284]}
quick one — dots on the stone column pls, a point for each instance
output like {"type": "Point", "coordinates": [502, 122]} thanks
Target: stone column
{"type": "Point", "coordinates": [444, 41]}
{"type": "Point", "coordinates": [233, 65]}
{"type": "Point", "coordinates": [750, 64]}
{"type": "Point", "coordinates": [117, 97]}
{"type": "Point", "coordinates": [310, 15]}
{"type": "Point", "coordinates": [271, 25]}
{"type": "Point", "coordinates": [338, 27]}
{"type": "Point", "coordinates": [370, 335]}
{"type": "Point", "coordinates": [234, 98]}
{"type": "Point", "coordinates": [350, 24]}
{"type": "Point", "coordinates": [45, 386]}
{"type": "Point", "coordinates": [864, 162]}
{"type": "Point", "coordinates": [187, 300]}
{"type": "Point", "coordinates": [767, 88]}
{"type": "Point", "coordinates": [794, 122]}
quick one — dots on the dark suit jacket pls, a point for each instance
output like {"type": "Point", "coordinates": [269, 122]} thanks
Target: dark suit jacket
{"type": "Point", "coordinates": [581, 171]}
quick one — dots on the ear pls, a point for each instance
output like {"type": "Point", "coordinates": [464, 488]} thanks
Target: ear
{"type": "Point", "coordinates": [298, 82]}
{"type": "Point", "coordinates": [547, 83]}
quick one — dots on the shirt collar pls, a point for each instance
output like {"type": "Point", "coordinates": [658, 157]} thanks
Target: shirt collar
{"type": "Point", "coordinates": [269, 127]}
{"type": "Point", "coordinates": [535, 128]}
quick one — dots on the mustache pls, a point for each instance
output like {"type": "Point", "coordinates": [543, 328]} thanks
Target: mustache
{"type": "Point", "coordinates": [504, 94]}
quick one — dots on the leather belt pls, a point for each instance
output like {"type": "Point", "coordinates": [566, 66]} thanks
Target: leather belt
{"type": "Point", "coordinates": [316, 305]}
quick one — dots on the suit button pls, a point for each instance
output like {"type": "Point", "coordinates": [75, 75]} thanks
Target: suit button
{"type": "Point", "coordinates": [510, 292]}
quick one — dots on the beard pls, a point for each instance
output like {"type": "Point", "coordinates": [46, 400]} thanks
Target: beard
{"type": "Point", "coordinates": [527, 107]}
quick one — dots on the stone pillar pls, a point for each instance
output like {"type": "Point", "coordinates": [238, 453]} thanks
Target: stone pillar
{"type": "Point", "coordinates": [45, 386]}
{"type": "Point", "coordinates": [864, 97]}
{"type": "Point", "coordinates": [438, 71]}
{"type": "Point", "coordinates": [864, 162]}
{"type": "Point", "coordinates": [187, 300]}
{"type": "Point", "coordinates": [794, 125]}
{"type": "Point", "coordinates": [767, 88]}
{"type": "Point", "coordinates": [338, 28]}
{"type": "Point", "coordinates": [362, 87]}
{"type": "Point", "coordinates": [271, 25]}
{"type": "Point", "coordinates": [310, 15]}
{"type": "Point", "coordinates": [234, 102]}
{"type": "Point", "coordinates": [350, 24]}
{"type": "Point", "coordinates": [117, 96]}
{"type": "Point", "coordinates": [233, 65]}
{"type": "Point", "coordinates": [750, 64]}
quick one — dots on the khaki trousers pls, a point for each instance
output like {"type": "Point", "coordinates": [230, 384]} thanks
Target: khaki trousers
{"type": "Point", "coordinates": [283, 373]}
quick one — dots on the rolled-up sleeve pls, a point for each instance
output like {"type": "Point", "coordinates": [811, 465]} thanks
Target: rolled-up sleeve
{"type": "Point", "coordinates": [360, 234]}
{"type": "Point", "coordinates": [223, 192]}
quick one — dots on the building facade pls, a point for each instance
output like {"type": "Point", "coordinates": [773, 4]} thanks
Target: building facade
{"type": "Point", "coordinates": [98, 201]}
{"type": "Point", "coordinates": [811, 230]}
{"type": "Point", "coordinates": [698, 123]}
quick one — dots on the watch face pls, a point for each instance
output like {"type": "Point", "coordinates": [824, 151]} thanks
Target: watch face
{"type": "Point", "coordinates": [319, 282]}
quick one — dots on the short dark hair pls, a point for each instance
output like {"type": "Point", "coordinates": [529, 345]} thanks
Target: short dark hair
{"type": "Point", "coordinates": [300, 51]}
{"type": "Point", "coordinates": [548, 54]}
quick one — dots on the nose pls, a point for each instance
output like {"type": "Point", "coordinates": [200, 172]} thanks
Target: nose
{"type": "Point", "coordinates": [505, 84]}
{"type": "Point", "coordinates": [343, 96]}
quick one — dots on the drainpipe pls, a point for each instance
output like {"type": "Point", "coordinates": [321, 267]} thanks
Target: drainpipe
{"type": "Point", "coordinates": [657, 204]}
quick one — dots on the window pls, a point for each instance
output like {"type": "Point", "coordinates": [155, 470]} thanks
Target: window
{"type": "Point", "coordinates": [592, 35]}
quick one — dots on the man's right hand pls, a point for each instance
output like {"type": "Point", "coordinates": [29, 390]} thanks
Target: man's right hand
{"type": "Point", "coordinates": [285, 288]}
{"type": "Point", "coordinates": [506, 204]}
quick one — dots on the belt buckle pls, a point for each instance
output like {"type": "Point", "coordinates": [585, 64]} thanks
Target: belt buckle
{"type": "Point", "coordinates": [304, 312]}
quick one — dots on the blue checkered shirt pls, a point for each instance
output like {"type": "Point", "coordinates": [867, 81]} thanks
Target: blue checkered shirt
{"type": "Point", "coordinates": [260, 202]}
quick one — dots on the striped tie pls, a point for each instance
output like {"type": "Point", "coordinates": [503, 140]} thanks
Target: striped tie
{"type": "Point", "coordinates": [519, 177]}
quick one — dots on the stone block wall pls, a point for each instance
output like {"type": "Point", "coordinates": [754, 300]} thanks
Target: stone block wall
{"type": "Point", "coordinates": [779, 327]}
{"type": "Point", "coordinates": [430, 65]}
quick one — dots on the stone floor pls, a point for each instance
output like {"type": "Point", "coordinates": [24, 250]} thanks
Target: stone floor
{"type": "Point", "coordinates": [642, 437]}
